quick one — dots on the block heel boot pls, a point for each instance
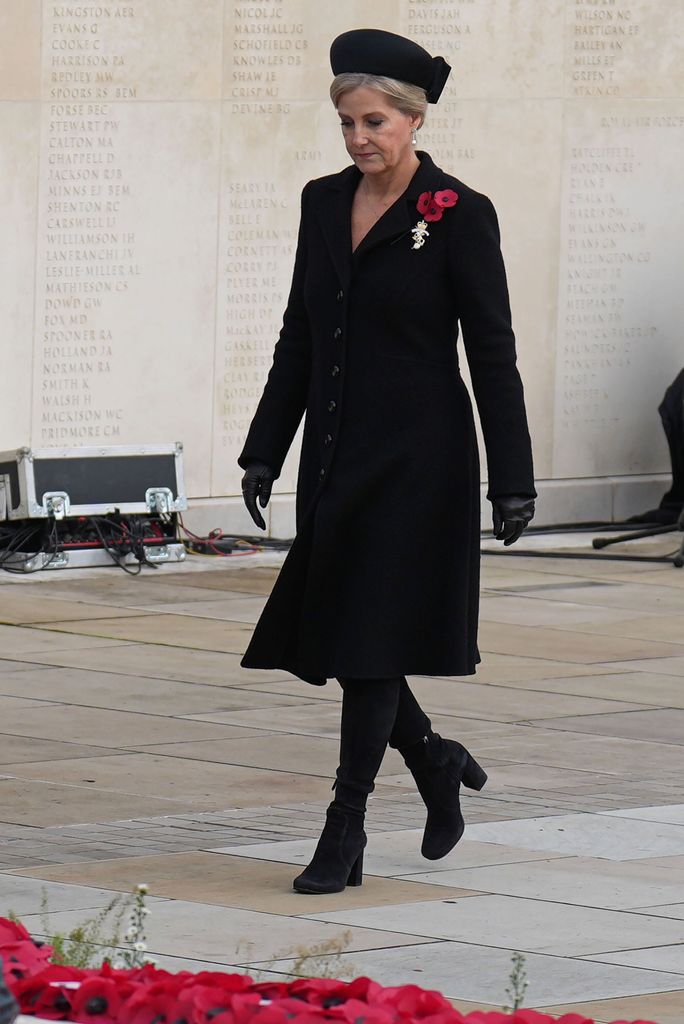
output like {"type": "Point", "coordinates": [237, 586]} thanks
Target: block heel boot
{"type": "Point", "coordinates": [369, 709]}
{"type": "Point", "coordinates": [439, 766]}
{"type": "Point", "coordinates": [338, 859]}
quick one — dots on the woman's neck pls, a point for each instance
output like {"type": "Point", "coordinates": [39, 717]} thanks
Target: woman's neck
{"type": "Point", "coordinates": [392, 182]}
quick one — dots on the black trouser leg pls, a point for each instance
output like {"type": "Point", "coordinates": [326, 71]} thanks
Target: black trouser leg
{"type": "Point", "coordinates": [411, 723]}
{"type": "Point", "coordinates": [369, 711]}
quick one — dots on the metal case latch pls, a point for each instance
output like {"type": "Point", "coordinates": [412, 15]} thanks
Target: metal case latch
{"type": "Point", "coordinates": [56, 504]}
{"type": "Point", "coordinates": [159, 500]}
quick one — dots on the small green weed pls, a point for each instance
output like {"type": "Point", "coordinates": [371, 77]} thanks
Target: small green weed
{"type": "Point", "coordinates": [517, 983]}
{"type": "Point", "coordinates": [99, 938]}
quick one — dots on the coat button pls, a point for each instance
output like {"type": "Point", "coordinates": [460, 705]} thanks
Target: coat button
{"type": "Point", "coordinates": [335, 370]}
{"type": "Point", "coordinates": [337, 333]}
{"type": "Point", "coordinates": [332, 405]}
{"type": "Point", "coordinates": [327, 440]}
{"type": "Point", "coordinates": [321, 473]}
{"type": "Point", "coordinates": [340, 295]}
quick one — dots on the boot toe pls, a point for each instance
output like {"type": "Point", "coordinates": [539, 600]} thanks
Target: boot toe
{"type": "Point", "coordinates": [310, 887]}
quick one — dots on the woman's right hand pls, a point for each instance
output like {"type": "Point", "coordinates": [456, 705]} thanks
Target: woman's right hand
{"type": "Point", "coordinates": [257, 483]}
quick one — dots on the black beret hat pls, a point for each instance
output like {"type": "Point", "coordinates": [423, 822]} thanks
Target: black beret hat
{"type": "Point", "coordinates": [371, 51]}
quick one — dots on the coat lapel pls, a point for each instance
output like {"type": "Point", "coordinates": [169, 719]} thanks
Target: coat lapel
{"type": "Point", "coordinates": [334, 216]}
{"type": "Point", "coordinates": [402, 216]}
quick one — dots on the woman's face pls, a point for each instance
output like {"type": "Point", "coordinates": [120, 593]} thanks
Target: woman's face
{"type": "Point", "coordinates": [376, 134]}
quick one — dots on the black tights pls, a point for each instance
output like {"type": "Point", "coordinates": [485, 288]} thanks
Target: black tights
{"type": "Point", "coordinates": [375, 713]}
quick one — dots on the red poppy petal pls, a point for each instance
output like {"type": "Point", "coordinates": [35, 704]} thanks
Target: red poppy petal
{"type": "Point", "coordinates": [424, 200]}
{"type": "Point", "coordinates": [434, 213]}
{"type": "Point", "coordinates": [446, 197]}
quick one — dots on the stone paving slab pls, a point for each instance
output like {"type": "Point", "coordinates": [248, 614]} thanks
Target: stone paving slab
{"type": "Point", "coordinates": [146, 694]}
{"type": "Point", "coordinates": [580, 881]}
{"type": "Point", "coordinates": [25, 609]}
{"type": "Point", "coordinates": [662, 958]}
{"type": "Point", "coordinates": [633, 687]}
{"type": "Point", "coordinates": [102, 726]}
{"type": "Point", "coordinates": [40, 802]}
{"type": "Point", "coordinates": [590, 835]}
{"type": "Point", "coordinates": [152, 776]}
{"type": "Point", "coordinates": [536, 609]}
{"type": "Point", "coordinates": [18, 749]}
{"type": "Point", "coordinates": [319, 756]}
{"type": "Point", "coordinates": [672, 665]}
{"type": "Point", "coordinates": [670, 813]}
{"type": "Point", "coordinates": [664, 1008]}
{"type": "Point", "coordinates": [509, 922]}
{"type": "Point", "coordinates": [478, 974]}
{"type": "Point", "coordinates": [393, 854]}
{"type": "Point", "coordinates": [235, 608]}
{"type": "Point", "coordinates": [675, 910]}
{"type": "Point", "coordinates": [25, 640]}
{"type": "Point", "coordinates": [157, 661]}
{"type": "Point", "coordinates": [230, 881]}
{"type": "Point", "coordinates": [25, 896]}
{"type": "Point", "coordinates": [661, 725]}
{"type": "Point", "coordinates": [239, 936]}
{"type": "Point", "coordinates": [572, 646]}
{"type": "Point", "coordinates": [174, 631]}
{"type": "Point", "coordinates": [504, 704]}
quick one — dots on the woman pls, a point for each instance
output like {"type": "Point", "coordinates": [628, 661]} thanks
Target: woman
{"type": "Point", "coordinates": [382, 579]}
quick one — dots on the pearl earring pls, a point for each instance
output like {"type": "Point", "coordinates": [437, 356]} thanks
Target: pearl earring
{"type": "Point", "coordinates": [414, 137]}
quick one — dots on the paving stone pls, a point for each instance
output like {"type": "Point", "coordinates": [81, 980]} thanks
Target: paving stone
{"type": "Point", "coordinates": [591, 835]}
{"type": "Point", "coordinates": [664, 958]}
{"type": "Point", "coordinates": [35, 802]}
{"type": "Point", "coordinates": [243, 936]}
{"type": "Point", "coordinates": [528, 925]}
{"type": "Point", "coordinates": [171, 630]}
{"type": "Point", "coordinates": [671, 813]}
{"type": "Point", "coordinates": [572, 646]}
{"type": "Point", "coordinates": [103, 727]}
{"type": "Point", "coordinates": [665, 1008]}
{"type": "Point", "coordinates": [29, 641]}
{"type": "Point", "coordinates": [156, 660]}
{"type": "Point", "coordinates": [135, 693]}
{"type": "Point", "coordinates": [661, 725]}
{"type": "Point", "coordinates": [25, 895]}
{"type": "Point", "coordinates": [231, 881]}
{"type": "Point", "coordinates": [675, 910]}
{"type": "Point", "coordinates": [477, 973]}
{"type": "Point", "coordinates": [17, 609]}
{"type": "Point", "coordinates": [581, 881]}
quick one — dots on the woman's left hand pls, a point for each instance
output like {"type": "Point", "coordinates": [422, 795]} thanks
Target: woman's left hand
{"type": "Point", "coordinates": [510, 515]}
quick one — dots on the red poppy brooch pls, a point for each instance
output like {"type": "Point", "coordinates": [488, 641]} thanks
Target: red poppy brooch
{"type": "Point", "coordinates": [432, 207]}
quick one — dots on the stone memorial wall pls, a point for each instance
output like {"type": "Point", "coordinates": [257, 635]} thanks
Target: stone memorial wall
{"type": "Point", "coordinates": [152, 154]}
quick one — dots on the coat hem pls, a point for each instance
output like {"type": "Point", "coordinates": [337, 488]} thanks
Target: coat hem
{"type": "Point", "coordinates": [320, 679]}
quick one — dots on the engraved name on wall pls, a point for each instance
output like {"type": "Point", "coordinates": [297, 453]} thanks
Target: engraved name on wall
{"type": "Point", "coordinates": [86, 241]}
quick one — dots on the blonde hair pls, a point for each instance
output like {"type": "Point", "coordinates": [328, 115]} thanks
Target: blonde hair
{"type": "Point", "coordinates": [409, 99]}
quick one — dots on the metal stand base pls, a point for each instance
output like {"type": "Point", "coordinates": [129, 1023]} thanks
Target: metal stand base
{"type": "Point", "coordinates": [598, 543]}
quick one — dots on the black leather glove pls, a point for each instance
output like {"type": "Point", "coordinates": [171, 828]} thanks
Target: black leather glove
{"type": "Point", "coordinates": [511, 514]}
{"type": "Point", "coordinates": [257, 483]}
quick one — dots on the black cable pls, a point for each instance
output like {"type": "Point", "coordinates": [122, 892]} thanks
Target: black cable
{"type": "Point", "coordinates": [108, 546]}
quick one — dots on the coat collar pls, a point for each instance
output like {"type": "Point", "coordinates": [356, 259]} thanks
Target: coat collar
{"type": "Point", "coordinates": [334, 215]}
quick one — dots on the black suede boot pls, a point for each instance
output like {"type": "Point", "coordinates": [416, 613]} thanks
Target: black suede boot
{"type": "Point", "coordinates": [338, 858]}
{"type": "Point", "coordinates": [369, 709]}
{"type": "Point", "coordinates": [439, 766]}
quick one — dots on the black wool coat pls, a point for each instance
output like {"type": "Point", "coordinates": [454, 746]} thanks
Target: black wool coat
{"type": "Point", "coordinates": [383, 576]}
